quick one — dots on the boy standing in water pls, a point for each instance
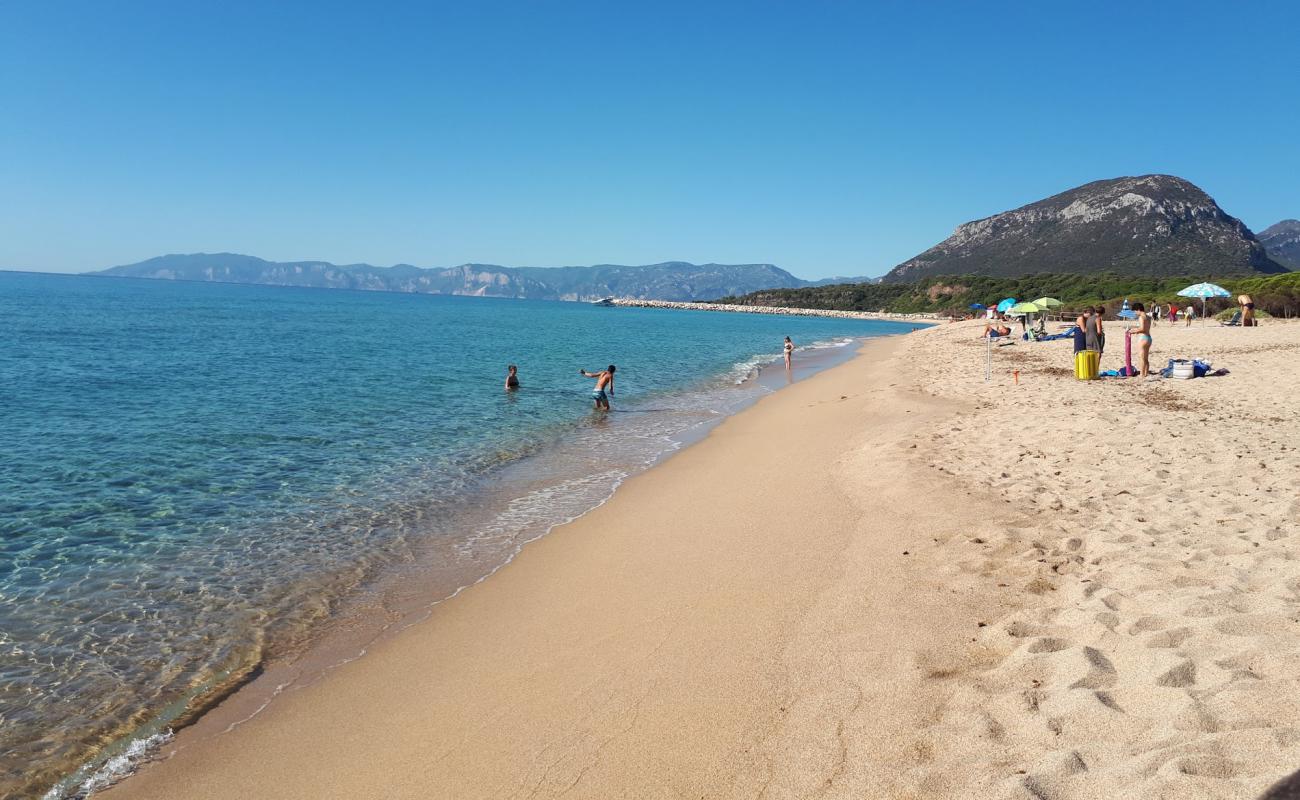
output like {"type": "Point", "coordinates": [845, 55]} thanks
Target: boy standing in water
{"type": "Point", "coordinates": [604, 381]}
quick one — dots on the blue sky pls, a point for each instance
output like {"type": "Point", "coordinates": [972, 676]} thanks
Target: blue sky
{"type": "Point", "coordinates": [828, 138]}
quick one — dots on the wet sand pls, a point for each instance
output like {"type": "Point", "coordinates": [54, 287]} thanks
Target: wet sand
{"type": "Point", "coordinates": [889, 580]}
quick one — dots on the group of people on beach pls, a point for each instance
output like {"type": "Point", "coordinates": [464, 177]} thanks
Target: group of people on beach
{"type": "Point", "coordinates": [1090, 333]}
{"type": "Point", "coordinates": [1172, 312]}
{"type": "Point", "coordinates": [604, 388]}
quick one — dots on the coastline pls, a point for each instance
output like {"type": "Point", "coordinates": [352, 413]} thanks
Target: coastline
{"type": "Point", "coordinates": [404, 596]}
{"type": "Point", "coordinates": [422, 527]}
{"type": "Point", "coordinates": [606, 583]}
{"type": "Point", "coordinates": [785, 311]}
{"type": "Point", "coordinates": [885, 580]}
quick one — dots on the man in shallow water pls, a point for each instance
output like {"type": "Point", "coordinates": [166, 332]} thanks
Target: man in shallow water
{"type": "Point", "coordinates": [604, 382]}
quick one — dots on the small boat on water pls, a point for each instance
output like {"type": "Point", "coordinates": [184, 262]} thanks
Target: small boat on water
{"type": "Point", "coordinates": [604, 301]}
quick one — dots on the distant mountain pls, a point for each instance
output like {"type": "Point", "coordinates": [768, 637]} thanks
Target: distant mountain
{"type": "Point", "coordinates": [673, 280]}
{"type": "Point", "coordinates": [1282, 241]}
{"type": "Point", "coordinates": [1148, 225]}
{"type": "Point", "coordinates": [839, 279]}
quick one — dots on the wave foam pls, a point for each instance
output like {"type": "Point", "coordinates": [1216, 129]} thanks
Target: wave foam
{"type": "Point", "coordinates": [111, 771]}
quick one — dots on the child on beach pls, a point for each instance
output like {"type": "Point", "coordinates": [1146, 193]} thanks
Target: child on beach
{"type": "Point", "coordinates": [1098, 313]}
{"type": "Point", "coordinates": [604, 382]}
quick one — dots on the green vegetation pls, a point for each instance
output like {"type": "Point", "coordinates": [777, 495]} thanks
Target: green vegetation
{"type": "Point", "coordinates": [1278, 295]}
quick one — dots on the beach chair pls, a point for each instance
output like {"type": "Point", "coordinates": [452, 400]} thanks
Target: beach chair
{"type": "Point", "coordinates": [1234, 322]}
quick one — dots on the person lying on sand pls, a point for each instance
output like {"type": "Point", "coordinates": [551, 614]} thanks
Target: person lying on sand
{"type": "Point", "coordinates": [991, 332]}
{"type": "Point", "coordinates": [604, 381]}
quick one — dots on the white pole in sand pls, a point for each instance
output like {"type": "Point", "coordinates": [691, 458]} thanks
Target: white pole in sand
{"type": "Point", "coordinates": [988, 360]}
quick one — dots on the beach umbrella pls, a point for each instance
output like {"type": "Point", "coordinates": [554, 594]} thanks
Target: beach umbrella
{"type": "Point", "coordinates": [1204, 290]}
{"type": "Point", "coordinates": [1025, 308]}
{"type": "Point", "coordinates": [1006, 304]}
{"type": "Point", "coordinates": [978, 306]}
{"type": "Point", "coordinates": [1048, 302]}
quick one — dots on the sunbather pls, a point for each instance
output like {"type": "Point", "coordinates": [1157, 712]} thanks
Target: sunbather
{"type": "Point", "coordinates": [991, 332]}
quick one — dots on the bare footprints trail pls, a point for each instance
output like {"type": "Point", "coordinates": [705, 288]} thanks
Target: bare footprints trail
{"type": "Point", "coordinates": [1150, 531]}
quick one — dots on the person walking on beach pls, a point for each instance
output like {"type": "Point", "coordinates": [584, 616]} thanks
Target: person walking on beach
{"type": "Point", "coordinates": [788, 349]}
{"type": "Point", "coordinates": [1143, 334]}
{"type": "Point", "coordinates": [1173, 314]}
{"type": "Point", "coordinates": [1188, 313]}
{"type": "Point", "coordinates": [604, 386]}
{"type": "Point", "coordinates": [512, 378]}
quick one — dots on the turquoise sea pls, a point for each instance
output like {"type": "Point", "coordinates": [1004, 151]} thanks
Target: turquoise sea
{"type": "Point", "coordinates": [198, 479]}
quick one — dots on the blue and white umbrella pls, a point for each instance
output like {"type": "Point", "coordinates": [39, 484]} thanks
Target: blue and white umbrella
{"type": "Point", "coordinates": [1204, 290]}
{"type": "Point", "coordinates": [1006, 304]}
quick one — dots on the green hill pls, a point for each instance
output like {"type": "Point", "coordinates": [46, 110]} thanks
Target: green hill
{"type": "Point", "coordinates": [1278, 295]}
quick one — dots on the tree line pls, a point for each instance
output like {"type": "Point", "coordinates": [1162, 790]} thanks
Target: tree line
{"type": "Point", "coordinates": [1276, 295]}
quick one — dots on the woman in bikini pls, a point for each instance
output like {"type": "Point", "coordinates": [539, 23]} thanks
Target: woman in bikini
{"type": "Point", "coordinates": [1143, 334]}
{"type": "Point", "coordinates": [789, 350]}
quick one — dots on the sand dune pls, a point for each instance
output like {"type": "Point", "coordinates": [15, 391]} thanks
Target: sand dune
{"type": "Point", "coordinates": [893, 580]}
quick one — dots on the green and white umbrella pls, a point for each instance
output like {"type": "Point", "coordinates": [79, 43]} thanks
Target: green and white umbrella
{"type": "Point", "coordinates": [1048, 302]}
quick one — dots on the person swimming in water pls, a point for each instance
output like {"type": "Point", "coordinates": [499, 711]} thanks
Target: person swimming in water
{"type": "Point", "coordinates": [512, 378]}
{"type": "Point", "coordinates": [604, 386]}
{"type": "Point", "coordinates": [789, 351]}
{"type": "Point", "coordinates": [1143, 334]}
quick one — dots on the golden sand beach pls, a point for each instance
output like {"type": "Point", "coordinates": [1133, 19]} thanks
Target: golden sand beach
{"type": "Point", "coordinates": [891, 580]}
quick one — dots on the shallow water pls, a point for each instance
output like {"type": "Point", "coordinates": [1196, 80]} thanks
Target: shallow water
{"type": "Point", "coordinates": [197, 477]}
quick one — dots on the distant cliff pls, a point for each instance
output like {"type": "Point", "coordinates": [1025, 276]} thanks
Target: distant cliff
{"type": "Point", "coordinates": [1149, 225]}
{"type": "Point", "coordinates": [672, 280]}
{"type": "Point", "coordinates": [1282, 241]}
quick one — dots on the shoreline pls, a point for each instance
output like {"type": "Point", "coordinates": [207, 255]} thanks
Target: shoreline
{"type": "Point", "coordinates": [394, 602]}
{"type": "Point", "coordinates": [888, 580]}
{"type": "Point", "coordinates": [733, 308]}
{"type": "Point", "coordinates": [534, 565]}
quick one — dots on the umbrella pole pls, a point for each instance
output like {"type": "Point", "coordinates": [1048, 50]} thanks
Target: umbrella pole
{"type": "Point", "coordinates": [988, 359]}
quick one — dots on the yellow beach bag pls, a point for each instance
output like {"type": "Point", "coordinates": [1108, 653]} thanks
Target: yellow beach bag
{"type": "Point", "coordinates": [1086, 365]}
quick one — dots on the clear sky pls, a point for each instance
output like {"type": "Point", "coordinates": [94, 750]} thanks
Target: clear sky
{"type": "Point", "coordinates": [831, 138]}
